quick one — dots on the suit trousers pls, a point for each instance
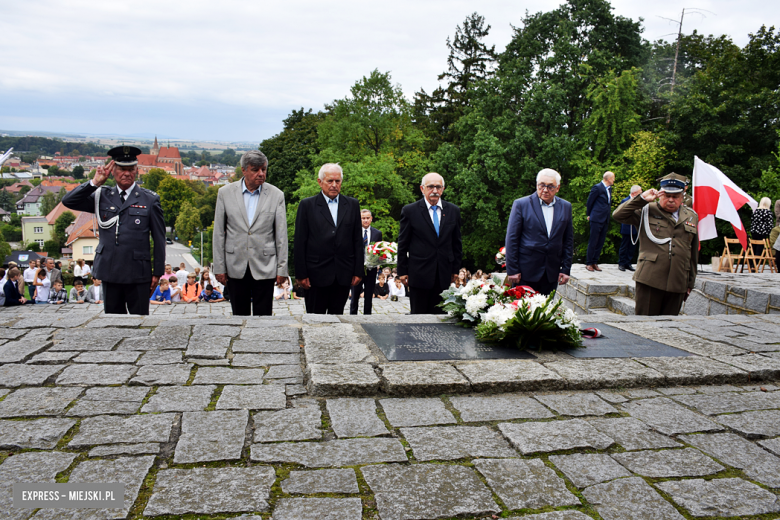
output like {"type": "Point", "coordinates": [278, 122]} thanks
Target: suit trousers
{"type": "Point", "coordinates": [123, 298]}
{"type": "Point", "coordinates": [425, 301]}
{"type": "Point", "coordinates": [366, 286]}
{"type": "Point", "coordinates": [248, 295]}
{"type": "Point", "coordinates": [327, 300]}
{"type": "Point", "coordinates": [626, 251]}
{"type": "Point", "coordinates": [542, 286]}
{"type": "Point", "coordinates": [655, 302]}
{"type": "Point", "coordinates": [598, 233]}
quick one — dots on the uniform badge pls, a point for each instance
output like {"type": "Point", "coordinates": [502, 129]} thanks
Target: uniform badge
{"type": "Point", "coordinates": [112, 207]}
{"type": "Point", "coordinates": [138, 221]}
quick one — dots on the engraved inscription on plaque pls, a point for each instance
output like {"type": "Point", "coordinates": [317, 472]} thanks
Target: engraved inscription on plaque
{"type": "Point", "coordinates": [428, 342]}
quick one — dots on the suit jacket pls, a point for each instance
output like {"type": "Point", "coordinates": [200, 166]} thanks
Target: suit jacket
{"type": "Point", "coordinates": [529, 251]}
{"type": "Point", "coordinates": [326, 253]}
{"type": "Point", "coordinates": [598, 207]}
{"type": "Point", "coordinates": [261, 244]}
{"type": "Point", "coordinates": [421, 252]}
{"type": "Point", "coordinates": [12, 295]}
{"type": "Point", "coordinates": [56, 276]}
{"type": "Point", "coordinates": [92, 297]}
{"type": "Point", "coordinates": [374, 235]}
{"type": "Point", "coordinates": [627, 229]}
{"type": "Point", "coordinates": [126, 257]}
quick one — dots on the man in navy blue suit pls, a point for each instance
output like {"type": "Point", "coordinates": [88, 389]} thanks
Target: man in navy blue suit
{"type": "Point", "coordinates": [598, 212]}
{"type": "Point", "coordinates": [629, 234]}
{"type": "Point", "coordinates": [540, 237]}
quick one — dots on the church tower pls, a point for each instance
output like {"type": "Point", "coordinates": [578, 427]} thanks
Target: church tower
{"type": "Point", "coordinates": [156, 148]}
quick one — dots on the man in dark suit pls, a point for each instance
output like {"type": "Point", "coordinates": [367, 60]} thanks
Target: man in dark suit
{"type": "Point", "coordinates": [366, 285]}
{"type": "Point", "coordinates": [429, 246]}
{"type": "Point", "coordinates": [126, 215]}
{"type": "Point", "coordinates": [328, 244]}
{"type": "Point", "coordinates": [540, 237]}
{"type": "Point", "coordinates": [629, 235]}
{"type": "Point", "coordinates": [599, 212]}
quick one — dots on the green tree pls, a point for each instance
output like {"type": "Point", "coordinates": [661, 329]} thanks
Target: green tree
{"type": "Point", "coordinates": [5, 248]}
{"type": "Point", "coordinates": [33, 246]}
{"type": "Point", "coordinates": [54, 170]}
{"type": "Point", "coordinates": [188, 221]}
{"type": "Point", "coordinates": [78, 172]}
{"type": "Point", "coordinates": [60, 225]}
{"type": "Point", "coordinates": [11, 233]}
{"type": "Point", "coordinates": [52, 247]}
{"type": "Point", "coordinates": [152, 180]}
{"type": "Point", "coordinates": [48, 202]}
{"type": "Point", "coordinates": [7, 201]}
{"type": "Point", "coordinates": [61, 194]}
{"type": "Point", "coordinates": [173, 193]}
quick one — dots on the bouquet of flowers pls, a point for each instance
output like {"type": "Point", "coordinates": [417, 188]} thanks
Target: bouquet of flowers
{"type": "Point", "coordinates": [501, 257]}
{"type": "Point", "coordinates": [466, 303]}
{"type": "Point", "coordinates": [381, 254]}
{"type": "Point", "coordinates": [532, 319]}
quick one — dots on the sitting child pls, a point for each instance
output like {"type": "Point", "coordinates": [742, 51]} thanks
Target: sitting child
{"type": "Point", "coordinates": [282, 291]}
{"type": "Point", "coordinates": [78, 294]}
{"type": "Point", "coordinates": [175, 289]}
{"type": "Point", "coordinates": [162, 295]}
{"type": "Point", "coordinates": [95, 292]}
{"type": "Point", "coordinates": [211, 295]}
{"type": "Point", "coordinates": [58, 296]}
{"type": "Point", "coordinates": [11, 288]}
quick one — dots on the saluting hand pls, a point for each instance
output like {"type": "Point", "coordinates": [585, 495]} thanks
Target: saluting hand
{"type": "Point", "coordinates": [103, 173]}
{"type": "Point", "coordinates": [650, 195]}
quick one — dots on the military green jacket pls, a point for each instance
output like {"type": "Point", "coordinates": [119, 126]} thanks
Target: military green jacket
{"type": "Point", "coordinates": [671, 269]}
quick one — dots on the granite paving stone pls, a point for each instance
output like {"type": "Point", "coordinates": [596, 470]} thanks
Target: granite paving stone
{"type": "Point", "coordinates": [19, 351]}
{"type": "Point", "coordinates": [525, 484]}
{"type": "Point", "coordinates": [284, 372]}
{"type": "Point", "coordinates": [26, 375]}
{"type": "Point", "coordinates": [629, 499]}
{"type": "Point", "coordinates": [41, 434]}
{"type": "Point", "coordinates": [341, 380]}
{"type": "Point", "coordinates": [576, 404]}
{"type": "Point", "coordinates": [228, 376]}
{"type": "Point", "coordinates": [543, 437]}
{"type": "Point", "coordinates": [318, 509]}
{"type": "Point", "coordinates": [252, 346]}
{"type": "Point", "coordinates": [294, 389]}
{"type": "Point", "coordinates": [668, 417]}
{"type": "Point", "coordinates": [109, 400]}
{"type": "Point", "coordinates": [499, 408]}
{"type": "Point", "coordinates": [342, 452]}
{"type": "Point", "coordinates": [143, 448]}
{"type": "Point", "coordinates": [28, 467]}
{"type": "Point", "coordinates": [212, 331]}
{"type": "Point", "coordinates": [424, 378]}
{"type": "Point", "coordinates": [754, 425]}
{"type": "Point", "coordinates": [265, 360]}
{"type": "Point", "coordinates": [164, 357]}
{"type": "Point", "coordinates": [268, 334]}
{"type": "Point", "coordinates": [130, 471]}
{"type": "Point", "coordinates": [611, 396]}
{"type": "Point", "coordinates": [52, 358]}
{"type": "Point", "coordinates": [555, 515]}
{"type": "Point", "coordinates": [456, 442]}
{"type": "Point", "coordinates": [428, 491]}
{"type": "Point", "coordinates": [155, 342]}
{"type": "Point", "coordinates": [585, 374]}
{"type": "Point", "coordinates": [252, 397]}
{"type": "Point", "coordinates": [759, 367]}
{"type": "Point", "coordinates": [30, 402]}
{"type": "Point", "coordinates": [686, 462]}
{"type": "Point", "coordinates": [641, 393]}
{"type": "Point", "coordinates": [321, 481]}
{"type": "Point", "coordinates": [731, 402]}
{"type": "Point", "coordinates": [416, 411]}
{"type": "Point", "coordinates": [107, 357]}
{"type": "Point", "coordinates": [586, 469]}
{"type": "Point", "coordinates": [116, 322]}
{"type": "Point", "coordinates": [772, 445]}
{"type": "Point", "coordinates": [97, 344]}
{"type": "Point", "coordinates": [695, 370]}
{"type": "Point", "coordinates": [338, 353]}
{"type": "Point", "coordinates": [179, 399]}
{"type": "Point", "coordinates": [209, 436]}
{"type": "Point", "coordinates": [292, 424]}
{"type": "Point", "coordinates": [90, 375]}
{"type": "Point", "coordinates": [633, 434]}
{"type": "Point", "coordinates": [111, 429]}
{"type": "Point", "coordinates": [211, 491]}
{"type": "Point", "coordinates": [730, 497]}
{"type": "Point", "coordinates": [213, 347]}
{"type": "Point", "coordinates": [152, 375]}
{"type": "Point", "coordinates": [11, 333]}
{"type": "Point", "coordinates": [355, 417]}
{"type": "Point", "coordinates": [733, 450]}
{"type": "Point", "coordinates": [510, 376]}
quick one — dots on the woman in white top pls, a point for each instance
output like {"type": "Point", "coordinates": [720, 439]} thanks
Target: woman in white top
{"type": "Point", "coordinates": [205, 279]}
{"type": "Point", "coordinates": [78, 271]}
{"type": "Point", "coordinates": [42, 287]}
{"type": "Point", "coordinates": [397, 288]}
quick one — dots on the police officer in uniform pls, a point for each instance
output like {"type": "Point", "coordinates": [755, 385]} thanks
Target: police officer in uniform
{"type": "Point", "coordinates": [126, 215]}
{"type": "Point", "coordinates": [668, 247]}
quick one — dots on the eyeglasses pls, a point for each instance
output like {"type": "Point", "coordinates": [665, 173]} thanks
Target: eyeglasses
{"type": "Point", "coordinates": [437, 187]}
{"type": "Point", "coordinates": [548, 187]}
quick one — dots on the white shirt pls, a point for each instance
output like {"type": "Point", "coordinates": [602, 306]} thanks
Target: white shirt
{"type": "Point", "coordinates": [85, 270]}
{"type": "Point", "coordinates": [43, 290]}
{"type": "Point", "coordinates": [29, 275]}
{"type": "Point", "coordinates": [333, 207]}
{"type": "Point", "coordinates": [181, 276]}
{"type": "Point", "coordinates": [395, 291]}
{"type": "Point", "coordinates": [128, 191]}
{"type": "Point", "coordinates": [176, 294]}
{"type": "Point", "coordinates": [676, 215]}
{"type": "Point", "coordinates": [250, 200]}
{"type": "Point", "coordinates": [609, 195]}
{"type": "Point", "coordinates": [548, 210]}
{"type": "Point", "coordinates": [439, 211]}
{"type": "Point", "coordinates": [77, 270]}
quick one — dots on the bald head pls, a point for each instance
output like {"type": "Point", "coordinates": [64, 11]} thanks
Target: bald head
{"type": "Point", "coordinates": [636, 189]}
{"type": "Point", "coordinates": [609, 178]}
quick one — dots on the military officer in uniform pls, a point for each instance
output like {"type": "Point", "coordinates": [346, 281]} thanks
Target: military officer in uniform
{"type": "Point", "coordinates": [668, 247]}
{"type": "Point", "coordinates": [687, 200]}
{"type": "Point", "coordinates": [126, 215]}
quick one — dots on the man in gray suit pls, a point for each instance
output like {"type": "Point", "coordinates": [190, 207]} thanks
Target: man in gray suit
{"type": "Point", "coordinates": [250, 238]}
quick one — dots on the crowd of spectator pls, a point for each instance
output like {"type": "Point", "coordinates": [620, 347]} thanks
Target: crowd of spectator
{"type": "Point", "coordinates": [42, 283]}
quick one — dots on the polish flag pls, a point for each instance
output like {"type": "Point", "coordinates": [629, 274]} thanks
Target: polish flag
{"type": "Point", "coordinates": [4, 157]}
{"type": "Point", "coordinates": [715, 195]}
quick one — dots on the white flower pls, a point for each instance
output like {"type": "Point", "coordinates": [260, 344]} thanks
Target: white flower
{"type": "Point", "coordinates": [475, 303]}
{"type": "Point", "coordinates": [498, 314]}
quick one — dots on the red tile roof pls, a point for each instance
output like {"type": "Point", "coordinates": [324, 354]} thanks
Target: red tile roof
{"type": "Point", "coordinates": [58, 210]}
{"type": "Point", "coordinates": [170, 152]}
{"type": "Point", "coordinates": [83, 227]}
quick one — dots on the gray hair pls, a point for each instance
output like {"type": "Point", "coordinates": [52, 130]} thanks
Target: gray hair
{"type": "Point", "coordinates": [327, 167]}
{"type": "Point", "coordinates": [635, 188]}
{"type": "Point", "coordinates": [549, 172]}
{"type": "Point", "coordinates": [366, 211]}
{"type": "Point", "coordinates": [608, 175]}
{"type": "Point", "coordinates": [255, 159]}
{"type": "Point", "coordinates": [422, 182]}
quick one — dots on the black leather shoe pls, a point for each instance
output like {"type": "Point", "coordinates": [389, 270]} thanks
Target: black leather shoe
{"type": "Point", "coordinates": [630, 268]}
{"type": "Point", "coordinates": [621, 268]}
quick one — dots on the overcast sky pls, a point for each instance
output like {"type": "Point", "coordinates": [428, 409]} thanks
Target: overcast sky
{"type": "Point", "coordinates": [232, 70]}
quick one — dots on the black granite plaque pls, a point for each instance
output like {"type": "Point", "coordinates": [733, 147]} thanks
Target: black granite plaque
{"type": "Point", "coordinates": [617, 343]}
{"type": "Point", "coordinates": [437, 341]}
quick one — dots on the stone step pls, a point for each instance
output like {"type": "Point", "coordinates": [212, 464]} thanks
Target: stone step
{"type": "Point", "coordinates": [621, 305]}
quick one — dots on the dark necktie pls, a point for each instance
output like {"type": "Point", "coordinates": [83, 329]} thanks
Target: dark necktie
{"type": "Point", "coordinates": [122, 196]}
{"type": "Point", "coordinates": [365, 238]}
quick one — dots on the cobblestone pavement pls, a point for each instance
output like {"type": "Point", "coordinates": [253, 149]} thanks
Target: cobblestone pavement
{"type": "Point", "coordinates": [203, 415]}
